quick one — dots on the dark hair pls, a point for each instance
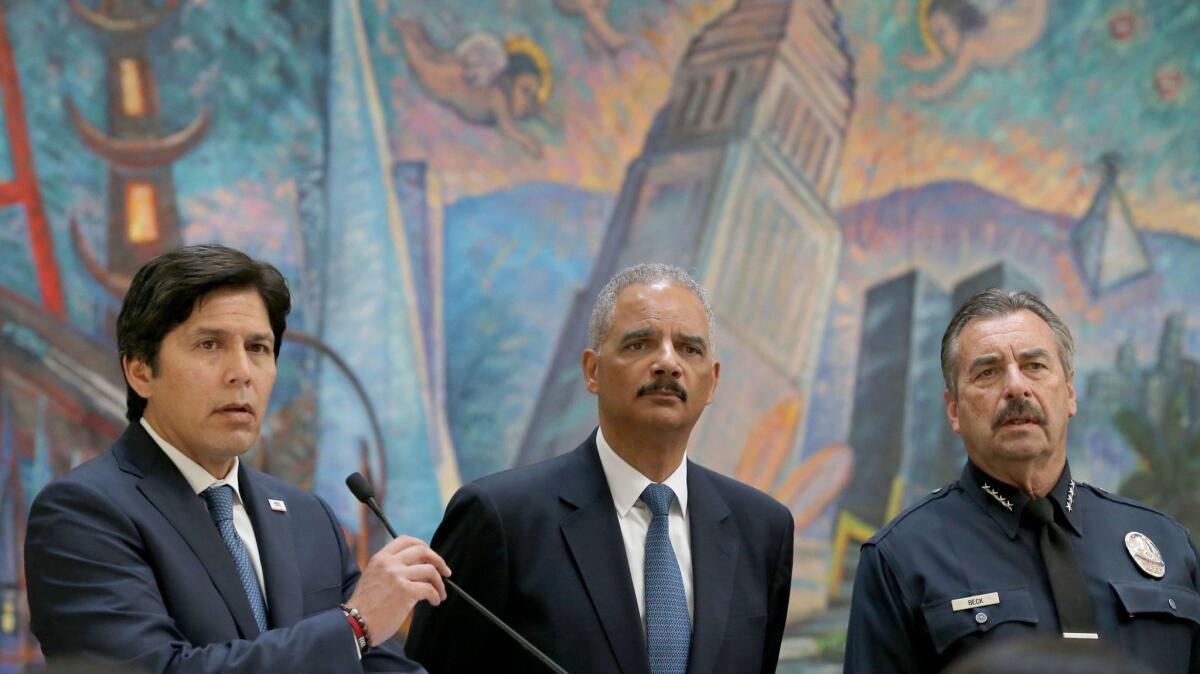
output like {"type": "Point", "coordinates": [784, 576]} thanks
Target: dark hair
{"type": "Point", "coordinates": [966, 16]}
{"type": "Point", "coordinates": [166, 290]}
{"type": "Point", "coordinates": [995, 303]}
{"type": "Point", "coordinates": [521, 63]}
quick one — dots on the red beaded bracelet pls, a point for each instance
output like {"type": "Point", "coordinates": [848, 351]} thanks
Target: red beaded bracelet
{"type": "Point", "coordinates": [361, 637]}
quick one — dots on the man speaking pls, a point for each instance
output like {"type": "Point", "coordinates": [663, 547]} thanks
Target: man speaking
{"type": "Point", "coordinates": [166, 554]}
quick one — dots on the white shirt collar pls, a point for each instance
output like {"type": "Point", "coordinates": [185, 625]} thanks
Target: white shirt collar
{"type": "Point", "coordinates": [626, 483]}
{"type": "Point", "coordinates": [199, 478]}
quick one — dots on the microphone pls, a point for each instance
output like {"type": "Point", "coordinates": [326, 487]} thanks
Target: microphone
{"type": "Point", "coordinates": [363, 491]}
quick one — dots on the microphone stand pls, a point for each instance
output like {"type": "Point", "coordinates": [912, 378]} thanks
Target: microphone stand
{"type": "Point", "coordinates": [365, 494]}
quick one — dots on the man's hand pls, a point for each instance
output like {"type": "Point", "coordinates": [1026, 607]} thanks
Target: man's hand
{"type": "Point", "coordinates": [402, 573]}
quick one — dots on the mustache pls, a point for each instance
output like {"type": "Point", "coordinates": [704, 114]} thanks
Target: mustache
{"type": "Point", "coordinates": [669, 385]}
{"type": "Point", "coordinates": [1018, 408]}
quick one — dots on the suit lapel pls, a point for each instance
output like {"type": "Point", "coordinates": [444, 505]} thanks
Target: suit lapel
{"type": "Point", "coordinates": [714, 562]}
{"type": "Point", "coordinates": [165, 487]}
{"type": "Point", "coordinates": [275, 550]}
{"type": "Point", "coordinates": [594, 540]}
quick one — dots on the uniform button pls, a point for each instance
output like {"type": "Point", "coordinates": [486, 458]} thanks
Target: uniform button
{"type": "Point", "coordinates": [981, 618]}
{"type": "Point", "coordinates": [1171, 603]}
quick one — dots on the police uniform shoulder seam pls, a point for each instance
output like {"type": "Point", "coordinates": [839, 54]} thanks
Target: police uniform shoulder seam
{"type": "Point", "coordinates": [929, 498]}
{"type": "Point", "coordinates": [1116, 498]}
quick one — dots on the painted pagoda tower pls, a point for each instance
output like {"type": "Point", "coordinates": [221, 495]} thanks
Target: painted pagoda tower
{"type": "Point", "coordinates": [143, 217]}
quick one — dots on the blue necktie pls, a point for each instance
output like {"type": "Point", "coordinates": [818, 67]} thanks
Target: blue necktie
{"type": "Point", "coordinates": [668, 628]}
{"type": "Point", "coordinates": [220, 509]}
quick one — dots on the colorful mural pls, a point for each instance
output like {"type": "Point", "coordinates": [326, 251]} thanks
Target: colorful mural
{"type": "Point", "coordinates": [446, 185]}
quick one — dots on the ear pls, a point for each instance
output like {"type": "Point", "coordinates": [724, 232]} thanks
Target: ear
{"type": "Point", "coordinates": [138, 373]}
{"type": "Point", "coordinates": [1071, 405]}
{"type": "Point", "coordinates": [591, 365]}
{"type": "Point", "coordinates": [951, 409]}
{"type": "Point", "coordinates": [712, 390]}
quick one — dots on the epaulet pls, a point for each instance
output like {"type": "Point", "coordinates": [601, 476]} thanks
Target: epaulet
{"type": "Point", "coordinates": [935, 495]}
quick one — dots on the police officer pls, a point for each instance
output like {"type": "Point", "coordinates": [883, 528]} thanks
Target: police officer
{"type": "Point", "coordinates": [1016, 545]}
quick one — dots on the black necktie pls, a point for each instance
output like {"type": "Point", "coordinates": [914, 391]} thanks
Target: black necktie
{"type": "Point", "coordinates": [1071, 598]}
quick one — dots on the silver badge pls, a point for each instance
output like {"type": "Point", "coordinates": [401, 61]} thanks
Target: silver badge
{"type": "Point", "coordinates": [1145, 554]}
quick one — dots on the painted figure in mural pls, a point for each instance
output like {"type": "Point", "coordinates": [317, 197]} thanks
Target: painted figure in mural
{"type": "Point", "coordinates": [486, 80]}
{"type": "Point", "coordinates": [972, 33]}
{"type": "Point", "coordinates": [598, 33]}
{"type": "Point", "coordinates": [168, 553]}
{"type": "Point", "coordinates": [622, 555]}
{"type": "Point", "coordinates": [1016, 546]}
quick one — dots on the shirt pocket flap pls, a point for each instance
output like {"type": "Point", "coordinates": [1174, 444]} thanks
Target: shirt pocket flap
{"type": "Point", "coordinates": [1140, 598]}
{"type": "Point", "coordinates": [947, 625]}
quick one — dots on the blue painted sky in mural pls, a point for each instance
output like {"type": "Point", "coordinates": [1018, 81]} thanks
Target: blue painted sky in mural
{"type": "Point", "coordinates": [514, 261]}
{"type": "Point", "coordinates": [1101, 75]}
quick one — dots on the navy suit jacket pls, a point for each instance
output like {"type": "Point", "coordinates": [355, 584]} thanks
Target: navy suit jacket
{"type": "Point", "coordinates": [541, 547]}
{"type": "Point", "coordinates": [123, 563]}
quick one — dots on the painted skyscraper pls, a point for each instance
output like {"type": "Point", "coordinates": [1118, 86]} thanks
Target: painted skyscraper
{"type": "Point", "coordinates": [387, 238]}
{"type": "Point", "coordinates": [734, 184]}
{"type": "Point", "coordinates": [897, 420]}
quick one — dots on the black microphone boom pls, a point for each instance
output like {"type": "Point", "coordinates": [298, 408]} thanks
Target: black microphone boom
{"type": "Point", "coordinates": [364, 493]}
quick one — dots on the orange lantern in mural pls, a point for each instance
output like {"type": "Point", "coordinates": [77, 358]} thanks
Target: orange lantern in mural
{"type": "Point", "coordinates": [1168, 81]}
{"type": "Point", "coordinates": [1122, 25]}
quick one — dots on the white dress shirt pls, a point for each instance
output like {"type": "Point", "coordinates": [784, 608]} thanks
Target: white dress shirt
{"type": "Point", "coordinates": [200, 479]}
{"type": "Point", "coordinates": [626, 485]}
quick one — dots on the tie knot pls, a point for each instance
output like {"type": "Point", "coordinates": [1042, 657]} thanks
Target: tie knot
{"type": "Point", "coordinates": [1041, 510]}
{"type": "Point", "coordinates": [657, 498]}
{"type": "Point", "coordinates": [219, 498]}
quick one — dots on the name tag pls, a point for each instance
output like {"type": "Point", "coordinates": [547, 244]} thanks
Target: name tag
{"type": "Point", "coordinates": [977, 601]}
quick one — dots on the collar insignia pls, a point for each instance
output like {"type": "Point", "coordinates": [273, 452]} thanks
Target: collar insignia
{"type": "Point", "coordinates": [996, 495]}
{"type": "Point", "coordinates": [1070, 495]}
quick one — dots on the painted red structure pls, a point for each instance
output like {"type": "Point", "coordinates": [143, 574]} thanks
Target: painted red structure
{"type": "Point", "coordinates": [23, 188]}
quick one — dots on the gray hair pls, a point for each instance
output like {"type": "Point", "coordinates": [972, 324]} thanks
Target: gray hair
{"type": "Point", "coordinates": [996, 303]}
{"type": "Point", "coordinates": [643, 274]}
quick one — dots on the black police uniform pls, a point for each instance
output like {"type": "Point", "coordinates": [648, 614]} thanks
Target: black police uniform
{"type": "Point", "coordinates": [968, 539]}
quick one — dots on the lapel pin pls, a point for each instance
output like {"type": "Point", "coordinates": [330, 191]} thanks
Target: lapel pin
{"type": "Point", "coordinates": [277, 505]}
{"type": "Point", "coordinates": [1145, 554]}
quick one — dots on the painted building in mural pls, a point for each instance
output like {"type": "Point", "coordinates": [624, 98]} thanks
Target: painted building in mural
{"type": "Point", "coordinates": [896, 425]}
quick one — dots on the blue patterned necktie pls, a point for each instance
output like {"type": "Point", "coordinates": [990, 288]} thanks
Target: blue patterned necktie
{"type": "Point", "coordinates": [668, 628]}
{"type": "Point", "coordinates": [220, 509]}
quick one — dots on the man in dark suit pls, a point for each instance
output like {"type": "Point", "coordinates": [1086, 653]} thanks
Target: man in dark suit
{"type": "Point", "coordinates": [621, 556]}
{"type": "Point", "coordinates": [167, 554]}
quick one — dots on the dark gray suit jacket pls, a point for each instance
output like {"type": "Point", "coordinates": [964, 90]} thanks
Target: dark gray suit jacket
{"type": "Point", "coordinates": [541, 547]}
